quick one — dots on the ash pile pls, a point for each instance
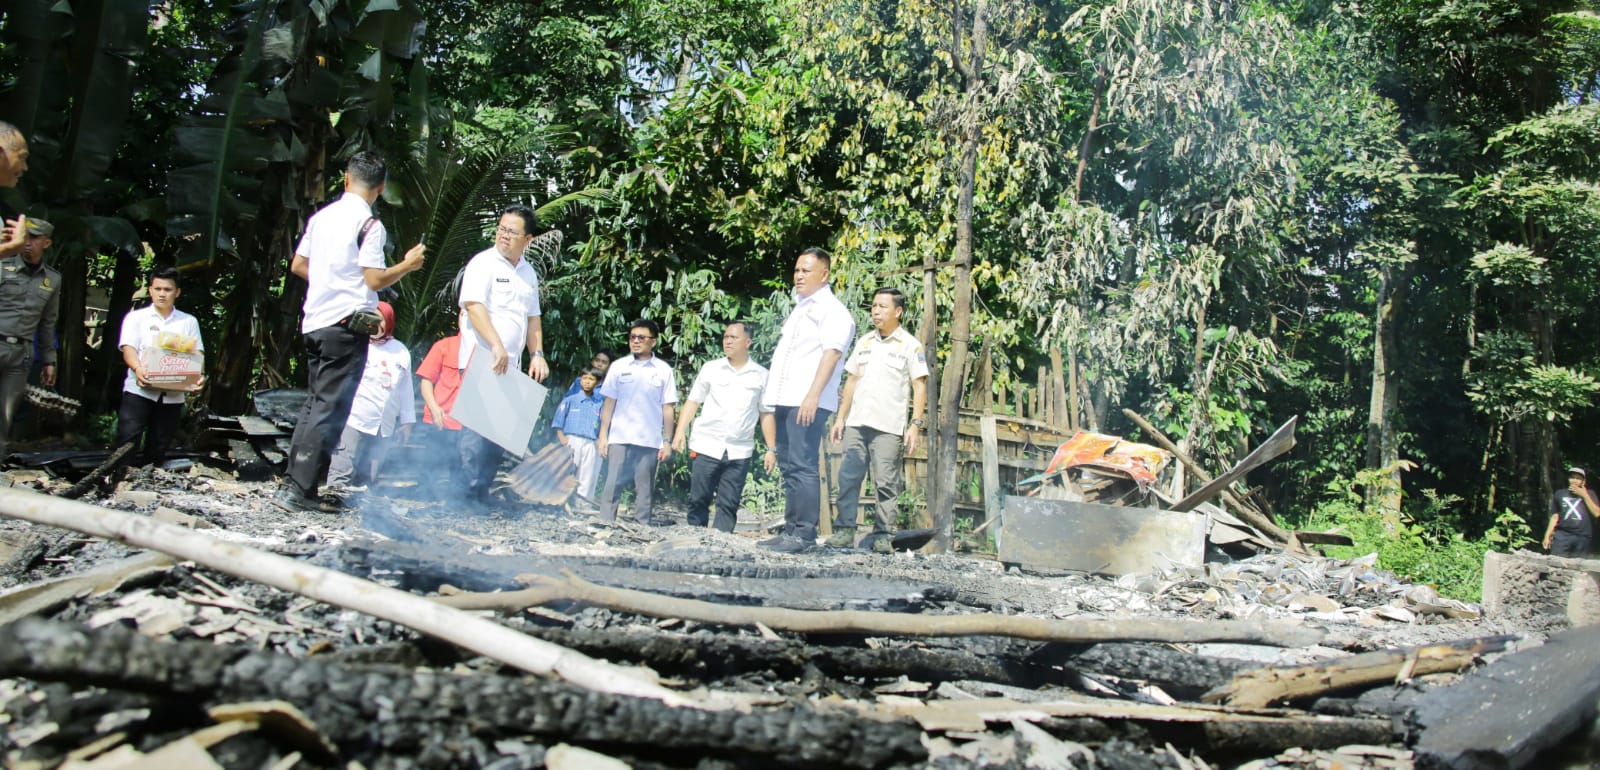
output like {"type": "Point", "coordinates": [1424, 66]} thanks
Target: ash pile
{"type": "Point", "coordinates": [531, 636]}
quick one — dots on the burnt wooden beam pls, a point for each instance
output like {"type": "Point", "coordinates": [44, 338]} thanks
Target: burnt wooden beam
{"type": "Point", "coordinates": [1504, 714]}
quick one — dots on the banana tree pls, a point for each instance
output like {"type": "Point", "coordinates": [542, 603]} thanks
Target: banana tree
{"type": "Point", "coordinates": [305, 83]}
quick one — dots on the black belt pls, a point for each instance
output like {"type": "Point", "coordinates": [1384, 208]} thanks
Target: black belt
{"type": "Point", "coordinates": [12, 340]}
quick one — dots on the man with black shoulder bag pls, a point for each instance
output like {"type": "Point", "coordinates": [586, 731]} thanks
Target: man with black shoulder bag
{"type": "Point", "coordinates": [341, 258]}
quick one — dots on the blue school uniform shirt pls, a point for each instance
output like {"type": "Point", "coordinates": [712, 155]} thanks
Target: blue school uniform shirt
{"type": "Point", "coordinates": [579, 415]}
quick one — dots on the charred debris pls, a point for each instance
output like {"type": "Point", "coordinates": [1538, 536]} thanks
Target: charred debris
{"type": "Point", "coordinates": [176, 618]}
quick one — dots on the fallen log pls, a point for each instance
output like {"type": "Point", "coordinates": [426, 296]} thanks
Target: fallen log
{"type": "Point", "coordinates": [545, 590]}
{"type": "Point", "coordinates": [479, 635]}
{"type": "Point", "coordinates": [1246, 511]}
{"type": "Point", "coordinates": [392, 716]}
{"type": "Point", "coordinates": [1261, 687]}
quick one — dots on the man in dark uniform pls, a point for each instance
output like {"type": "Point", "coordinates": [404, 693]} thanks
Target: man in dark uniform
{"type": "Point", "coordinates": [30, 301]}
{"type": "Point", "coordinates": [1572, 513]}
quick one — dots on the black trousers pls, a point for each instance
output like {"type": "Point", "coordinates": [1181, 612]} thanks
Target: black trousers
{"type": "Point", "coordinates": [480, 458]}
{"type": "Point", "coordinates": [154, 422]}
{"type": "Point", "coordinates": [1569, 544]}
{"type": "Point", "coordinates": [335, 358]}
{"type": "Point", "coordinates": [722, 479]}
{"type": "Point", "coordinates": [798, 446]}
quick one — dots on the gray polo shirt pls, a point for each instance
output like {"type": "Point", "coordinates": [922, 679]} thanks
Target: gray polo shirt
{"type": "Point", "coordinates": [30, 300]}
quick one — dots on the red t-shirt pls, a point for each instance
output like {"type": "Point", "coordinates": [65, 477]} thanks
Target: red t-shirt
{"type": "Point", "coordinates": [439, 368]}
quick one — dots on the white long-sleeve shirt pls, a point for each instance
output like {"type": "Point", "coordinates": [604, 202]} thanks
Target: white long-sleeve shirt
{"type": "Point", "coordinates": [384, 400]}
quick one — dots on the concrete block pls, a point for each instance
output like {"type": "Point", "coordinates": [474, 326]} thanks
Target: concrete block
{"type": "Point", "coordinates": [1541, 590]}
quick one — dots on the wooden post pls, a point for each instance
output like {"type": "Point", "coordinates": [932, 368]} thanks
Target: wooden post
{"type": "Point", "coordinates": [992, 494]}
{"type": "Point", "coordinates": [984, 400]}
{"type": "Point", "coordinates": [1058, 391]}
{"type": "Point", "coordinates": [1046, 408]}
{"type": "Point", "coordinates": [1074, 398]}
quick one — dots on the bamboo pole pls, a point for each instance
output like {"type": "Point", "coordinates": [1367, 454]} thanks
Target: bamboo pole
{"type": "Point", "coordinates": [571, 588]}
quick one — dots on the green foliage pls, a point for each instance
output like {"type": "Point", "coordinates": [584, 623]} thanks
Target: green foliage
{"type": "Point", "coordinates": [1429, 545]}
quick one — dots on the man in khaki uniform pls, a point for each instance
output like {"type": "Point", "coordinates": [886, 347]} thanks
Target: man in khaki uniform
{"type": "Point", "coordinates": [886, 363]}
{"type": "Point", "coordinates": [30, 301]}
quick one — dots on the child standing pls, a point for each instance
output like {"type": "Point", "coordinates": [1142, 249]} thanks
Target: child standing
{"type": "Point", "coordinates": [577, 424]}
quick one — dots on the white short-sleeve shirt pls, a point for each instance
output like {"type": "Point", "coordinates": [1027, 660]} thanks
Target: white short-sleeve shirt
{"type": "Point", "coordinates": [384, 399]}
{"type": "Point", "coordinates": [885, 368]}
{"type": "Point", "coordinates": [336, 284]}
{"type": "Point", "coordinates": [511, 295]}
{"type": "Point", "coordinates": [139, 328]}
{"type": "Point", "coordinates": [730, 405]}
{"type": "Point", "coordinates": [818, 323]}
{"type": "Point", "coordinates": [640, 388]}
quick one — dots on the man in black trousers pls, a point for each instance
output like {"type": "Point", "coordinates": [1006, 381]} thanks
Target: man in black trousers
{"type": "Point", "coordinates": [340, 256]}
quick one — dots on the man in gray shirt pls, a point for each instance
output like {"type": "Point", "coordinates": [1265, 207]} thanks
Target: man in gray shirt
{"type": "Point", "coordinates": [30, 300]}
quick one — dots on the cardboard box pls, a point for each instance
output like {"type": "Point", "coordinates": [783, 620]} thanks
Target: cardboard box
{"type": "Point", "coordinates": [170, 369]}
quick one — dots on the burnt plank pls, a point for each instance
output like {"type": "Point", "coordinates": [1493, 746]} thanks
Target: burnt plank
{"type": "Point", "coordinates": [1504, 714]}
{"type": "Point", "coordinates": [256, 427]}
{"type": "Point", "coordinates": [247, 462]}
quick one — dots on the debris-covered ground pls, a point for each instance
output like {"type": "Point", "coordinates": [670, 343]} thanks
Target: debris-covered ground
{"type": "Point", "coordinates": [109, 653]}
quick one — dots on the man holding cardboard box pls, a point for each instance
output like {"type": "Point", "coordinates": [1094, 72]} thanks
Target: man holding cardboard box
{"type": "Point", "coordinates": [165, 357]}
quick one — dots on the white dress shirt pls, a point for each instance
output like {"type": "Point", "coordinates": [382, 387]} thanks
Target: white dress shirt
{"type": "Point", "coordinates": [884, 368]}
{"type": "Point", "coordinates": [818, 323]}
{"type": "Point", "coordinates": [384, 400]}
{"type": "Point", "coordinates": [640, 388]}
{"type": "Point", "coordinates": [511, 295]}
{"type": "Point", "coordinates": [139, 328]}
{"type": "Point", "coordinates": [730, 405]}
{"type": "Point", "coordinates": [336, 284]}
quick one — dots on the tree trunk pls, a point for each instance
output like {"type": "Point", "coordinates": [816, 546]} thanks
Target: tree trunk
{"type": "Point", "coordinates": [73, 358]}
{"type": "Point", "coordinates": [108, 371]}
{"type": "Point", "coordinates": [955, 370]}
{"type": "Point", "coordinates": [1383, 450]}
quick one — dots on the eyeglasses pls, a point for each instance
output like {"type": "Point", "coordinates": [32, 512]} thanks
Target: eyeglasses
{"type": "Point", "coordinates": [511, 233]}
{"type": "Point", "coordinates": [640, 338]}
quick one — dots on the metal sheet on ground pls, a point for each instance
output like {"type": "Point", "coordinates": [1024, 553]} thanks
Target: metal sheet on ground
{"type": "Point", "coordinates": [500, 407]}
{"type": "Point", "coordinates": [1111, 540]}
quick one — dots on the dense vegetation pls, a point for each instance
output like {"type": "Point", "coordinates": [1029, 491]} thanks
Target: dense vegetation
{"type": "Point", "coordinates": [1383, 216]}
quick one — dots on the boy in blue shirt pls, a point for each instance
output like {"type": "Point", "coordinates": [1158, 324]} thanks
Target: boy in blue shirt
{"type": "Point", "coordinates": [577, 424]}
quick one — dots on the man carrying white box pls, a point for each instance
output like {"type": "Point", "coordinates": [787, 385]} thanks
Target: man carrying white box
{"type": "Point", "coordinates": [165, 357]}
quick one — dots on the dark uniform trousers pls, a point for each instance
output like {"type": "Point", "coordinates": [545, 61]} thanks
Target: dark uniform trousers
{"type": "Point", "coordinates": [798, 446]}
{"type": "Point", "coordinates": [335, 358]}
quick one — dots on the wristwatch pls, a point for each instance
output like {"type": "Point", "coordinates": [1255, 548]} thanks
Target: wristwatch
{"type": "Point", "coordinates": [538, 354]}
{"type": "Point", "coordinates": [920, 423]}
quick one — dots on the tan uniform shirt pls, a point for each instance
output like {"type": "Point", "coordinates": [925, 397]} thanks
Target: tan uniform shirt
{"type": "Point", "coordinates": [884, 368]}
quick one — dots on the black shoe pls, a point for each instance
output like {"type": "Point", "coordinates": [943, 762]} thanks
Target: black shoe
{"type": "Point", "coordinates": [771, 541]}
{"type": "Point", "coordinates": [787, 544]}
{"type": "Point", "coordinates": [659, 521]}
{"type": "Point", "coordinates": [291, 499]}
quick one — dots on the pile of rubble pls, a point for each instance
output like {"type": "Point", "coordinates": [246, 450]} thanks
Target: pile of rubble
{"type": "Point", "coordinates": [719, 654]}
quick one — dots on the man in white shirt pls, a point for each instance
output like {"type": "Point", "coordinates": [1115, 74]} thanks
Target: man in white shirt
{"type": "Point", "coordinates": [640, 392]}
{"type": "Point", "coordinates": [885, 365]}
{"type": "Point", "coordinates": [340, 256]}
{"type": "Point", "coordinates": [383, 406]}
{"type": "Point", "coordinates": [500, 297]}
{"type": "Point", "coordinates": [803, 391]}
{"type": "Point", "coordinates": [730, 389]}
{"type": "Point", "coordinates": [146, 412]}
